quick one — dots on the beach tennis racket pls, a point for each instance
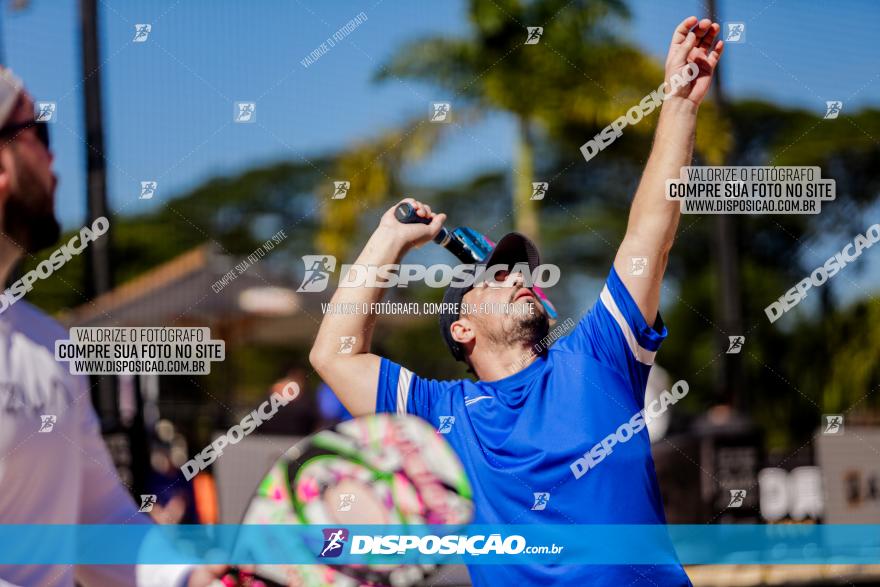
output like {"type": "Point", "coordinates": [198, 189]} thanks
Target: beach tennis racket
{"type": "Point", "coordinates": [377, 469]}
{"type": "Point", "coordinates": [468, 246]}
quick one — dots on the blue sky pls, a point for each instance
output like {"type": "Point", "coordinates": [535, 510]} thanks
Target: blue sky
{"type": "Point", "coordinates": [168, 102]}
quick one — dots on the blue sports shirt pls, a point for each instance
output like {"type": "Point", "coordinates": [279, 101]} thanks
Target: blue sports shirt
{"type": "Point", "coordinates": [519, 436]}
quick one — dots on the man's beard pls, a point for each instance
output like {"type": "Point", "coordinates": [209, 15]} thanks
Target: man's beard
{"type": "Point", "coordinates": [529, 329]}
{"type": "Point", "coordinates": [28, 218]}
{"type": "Point", "coordinates": [525, 329]}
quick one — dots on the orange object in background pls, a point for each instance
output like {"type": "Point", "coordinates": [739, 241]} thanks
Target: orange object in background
{"type": "Point", "coordinates": [205, 491]}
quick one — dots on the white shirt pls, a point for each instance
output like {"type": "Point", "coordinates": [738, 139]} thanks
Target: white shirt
{"type": "Point", "coordinates": [64, 476]}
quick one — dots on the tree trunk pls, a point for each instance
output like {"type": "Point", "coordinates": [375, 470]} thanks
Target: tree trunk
{"type": "Point", "coordinates": [525, 210]}
{"type": "Point", "coordinates": [730, 383]}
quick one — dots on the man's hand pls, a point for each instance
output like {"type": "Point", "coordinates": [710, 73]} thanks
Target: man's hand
{"type": "Point", "coordinates": [354, 375]}
{"type": "Point", "coordinates": [411, 235]}
{"type": "Point", "coordinates": [692, 43]}
{"type": "Point", "coordinates": [653, 219]}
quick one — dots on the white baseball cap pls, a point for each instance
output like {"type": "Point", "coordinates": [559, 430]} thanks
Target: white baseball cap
{"type": "Point", "coordinates": [10, 90]}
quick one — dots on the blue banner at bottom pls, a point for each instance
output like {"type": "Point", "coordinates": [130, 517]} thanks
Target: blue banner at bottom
{"type": "Point", "coordinates": [474, 544]}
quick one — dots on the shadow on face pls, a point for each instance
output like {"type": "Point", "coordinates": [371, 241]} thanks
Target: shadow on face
{"type": "Point", "coordinates": [507, 313]}
{"type": "Point", "coordinates": [27, 185]}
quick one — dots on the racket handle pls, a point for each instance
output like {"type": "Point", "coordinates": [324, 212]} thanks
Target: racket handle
{"type": "Point", "coordinates": [406, 214]}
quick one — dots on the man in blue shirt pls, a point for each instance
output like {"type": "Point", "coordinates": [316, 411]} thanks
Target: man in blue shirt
{"type": "Point", "coordinates": [527, 428]}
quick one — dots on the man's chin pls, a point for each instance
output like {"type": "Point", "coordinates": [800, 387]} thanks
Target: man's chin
{"type": "Point", "coordinates": [532, 328]}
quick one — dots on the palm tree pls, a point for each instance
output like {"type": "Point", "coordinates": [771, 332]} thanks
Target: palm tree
{"type": "Point", "coordinates": [372, 167]}
{"type": "Point", "coordinates": [578, 74]}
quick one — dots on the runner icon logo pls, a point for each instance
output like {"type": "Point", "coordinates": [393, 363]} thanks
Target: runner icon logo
{"type": "Point", "coordinates": [346, 501]}
{"type": "Point", "coordinates": [832, 109]}
{"type": "Point", "coordinates": [541, 500]}
{"type": "Point", "coordinates": [47, 422]}
{"type": "Point", "coordinates": [539, 190]}
{"type": "Point", "coordinates": [346, 345]}
{"type": "Point", "coordinates": [534, 35]}
{"type": "Point", "coordinates": [340, 189]}
{"type": "Point", "coordinates": [737, 496]}
{"type": "Point", "coordinates": [736, 32]}
{"type": "Point", "coordinates": [148, 190]}
{"type": "Point", "coordinates": [45, 112]}
{"type": "Point", "coordinates": [736, 343]}
{"type": "Point", "coordinates": [638, 265]}
{"type": "Point", "coordinates": [334, 541]}
{"type": "Point", "coordinates": [440, 111]}
{"type": "Point", "coordinates": [245, 112]}
{"type": "Point", "coordinates": [317, 274]}
{"type": "Point", "coordinates": [147, 503]}
{"type": "Point", "coordinates": [446, 423]}
{"type": "Point", "coordinates": [833, 424]}
{"type": "Point", "coordinates": [142, 32]}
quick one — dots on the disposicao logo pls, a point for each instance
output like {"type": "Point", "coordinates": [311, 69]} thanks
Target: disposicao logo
{"type": "Point", "coordinates": [334, 542]}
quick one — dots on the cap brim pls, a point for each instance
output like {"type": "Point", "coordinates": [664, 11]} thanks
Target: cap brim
{"type": "Point", "coordinates": [10, 90]}
{"type": "Point", "coordinates": [515, 248]}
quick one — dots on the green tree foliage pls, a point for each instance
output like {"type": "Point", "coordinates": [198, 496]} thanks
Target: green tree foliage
{"type": "Point", "coordinates": [571, 77]}
{"type": "Point", "coordinates": [236, 214]}
{"type": "Point", "coordinates": [561, 92]}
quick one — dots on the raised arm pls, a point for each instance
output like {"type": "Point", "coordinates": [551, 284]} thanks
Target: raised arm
{"type": "Point", "coordinates": [354, 376]}
{"type": "Point", "coordinates": [653, 219]}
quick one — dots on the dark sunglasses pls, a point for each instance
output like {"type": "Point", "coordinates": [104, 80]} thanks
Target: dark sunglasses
{"type": "Point", "coordinates": [40, 127]}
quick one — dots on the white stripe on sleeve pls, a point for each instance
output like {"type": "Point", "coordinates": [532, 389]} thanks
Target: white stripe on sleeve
{"type": "Point", "coordinates": [403, 381]}
{"type": "Point", "coordinates": [641, 354]}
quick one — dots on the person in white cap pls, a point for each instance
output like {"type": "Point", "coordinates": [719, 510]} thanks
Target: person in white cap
{"type": "Point", "coordinates": [54, 466]}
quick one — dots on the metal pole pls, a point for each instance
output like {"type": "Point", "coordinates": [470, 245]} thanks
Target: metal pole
{"type": "Point", "coordinates": [727, 265]}
{"type": "Point", "coordinates": [98, 276]}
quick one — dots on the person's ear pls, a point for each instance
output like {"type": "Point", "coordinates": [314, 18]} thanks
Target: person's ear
{"type": "Point", "coordinates": [462, 331]}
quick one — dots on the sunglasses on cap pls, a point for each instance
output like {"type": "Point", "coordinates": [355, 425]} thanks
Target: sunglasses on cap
{"type": "Point", "coordinates": [40, 127]}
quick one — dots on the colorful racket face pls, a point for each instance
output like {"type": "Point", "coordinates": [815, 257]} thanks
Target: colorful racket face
{"type": "Point", "coordinates": [378, 469]}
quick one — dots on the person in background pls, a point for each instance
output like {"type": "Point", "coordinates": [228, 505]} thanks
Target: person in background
{"type": "Point", "coordinates": [54, 465]}
{"type": "Point", "coordinates": [331, 409]}
{"type": "Point", "coordinates": [175, 499]}
{"type": "Point", "coordinates": [298, 418]}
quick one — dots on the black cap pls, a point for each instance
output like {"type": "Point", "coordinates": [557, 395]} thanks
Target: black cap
{"type": "Point", "coordinates": [513, 248]}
